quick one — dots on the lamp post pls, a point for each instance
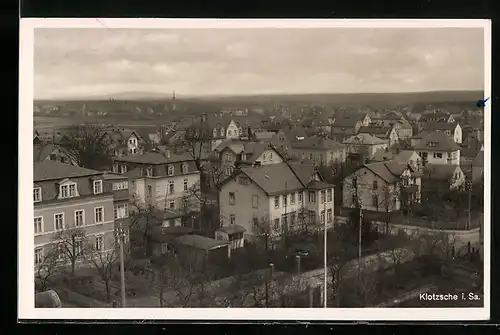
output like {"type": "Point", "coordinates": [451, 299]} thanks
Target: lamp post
{"type": "Point", "coordinates": [121, 236]}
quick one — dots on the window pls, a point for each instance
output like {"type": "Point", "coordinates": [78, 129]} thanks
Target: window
{"type": "Point", "coordinates": [310, 156]}
{"type": "Point", "coordinates": [79, 219]}
{"type": "Point", "coordinates": [244, 181]}
{"type": "Point", "coordinates": [149, 172]}
{"type": "Point", "coordinates": [243, 156]}
{"type": "Point", "coordinates": [300, 196]}
{"type": "Point", "coordinates": [255, 201]}
{"type": "Point", "coordinates": [302, 156]}
{"type": "Point", "coordinates": [323, 196]}
{"type": "Point", "coordinates": [329, 195]}
{"type": "Point", "coordinates": [67, 191]}
{"type": "Point", "coordinates": [170, 170]}
{"type": "Point", "coordinates": [164, 248]}
{"type": "Point", "coordinates": [232, 198]}
{"type": "Point", "coordinates": [59, 221]}
{"type": "Point", "coordinates": [38, 256]}
{"type": "Point", "coordinates": [184, 168]}
{"type": "Point", "coordinates": [271, 156]}
{"type": "Point", "coordinates": [284, 199]}
{"type": "Point", "coordinates": [321, 157]}
{"type": "Point", "coordinates": [171, 187]}
{"type": "Point", "coordinates": [276, 224]}
{"type": "Point", "coordinates": [375, 185]}
{"type": "Point", "coordinates": [185, 184]}
{"type": "Point", "coordinates": [230, 132]}
{"type": "Point", "coordinates": [292, 198]}
{"type": "Point", "coordinates": [312, 196]}
{"type": "Point", "coordinates": [123, 185]}
{"type": "Point", "coordinates": [438, 155]}
{"type": "Point", "coordinates": [38, 221]}
{"type": "Point", "coordinates": [322, 217]}
{"type": "Point", "coordinates": [354, 182]}
{"type": "Point", "coordinates": [312, 216]}
{"type": "Point", "coordinates": [263, 157]}
{"type": "Point", "coordinates": [78, 247]}
{"type": "Point", "coordinates": [215, 133]}
{"type": "Point", "coordinates": [99, 242]}
{"type": "Point", "coordinates": [276, 202]}
{"type": "Point", "coordinates": [375, 200]}
{"type": "Point", "coordinates": [171, 204]}
{"type": "Point", "coordinates": [120, 211]}
{"type": "Point", "coordinates": [98, 214]}
{"type": "Point", "coordinates": [229, 157]}
{"type": "Point", "coordinates": [354, 199]}
{"type": "Point", "coordinates": [37, 194]}
{"type": "Point", "coordinates": [123, 168]}
{"type": "Point", "coordinates": [232, 219]}
{"type": "Point", "coordinates": [97, 186]}
{"type": "Point", "coordinates": [329, 215]}
{"type": "Point", "coordinates": [222, 132]}
{"type": "Point", "coordinates": [255, 222]}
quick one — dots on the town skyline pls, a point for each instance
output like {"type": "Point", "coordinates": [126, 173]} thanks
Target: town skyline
{"type": "Point", "coordinates": [195, 62]}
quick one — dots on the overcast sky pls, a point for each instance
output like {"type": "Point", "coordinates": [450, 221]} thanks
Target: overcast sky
{"type": "Point", "coordinates": [86, 62]}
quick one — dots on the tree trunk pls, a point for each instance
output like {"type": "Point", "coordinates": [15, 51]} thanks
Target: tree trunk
{"type": "Point", "coordinates": [106, 284]}
{"type": "Point", "coordinates": [145, 236]}
{"type": "Point", "coordinates": [73, 267]}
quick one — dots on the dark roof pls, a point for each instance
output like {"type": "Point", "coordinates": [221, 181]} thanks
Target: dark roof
{"type": "Point", "coordinates": [346, 121]}
{"type": "Point", "coordinates": [153, 158]}
{"type": "Point", "coordinates": [436, 141]}
{"type": "Point", "coordinates": [440, 126]}
{"type": "Point", "coordinates": [49, 170]}
{"type": "Point", "coordinates": [232, 229]}
{"type": "Point", "coordinates": [440, 171]}
{"type": "Point", "coordinates": [41, 151]}
{"type": "Point", "coordinates": [166, 234]}
{"type": "Point", "coordinates": [380, 131]}
{"type": "Point", "coordinates": [200, 242]}
{"type": "Point", "coordinates": [318, 185]}
{"type": "Point", "coordinates": [113, 176]}
{"type": "Point", "coordinates": [317, 142]}
{"type": "Point", "coordinates": [389, 171]}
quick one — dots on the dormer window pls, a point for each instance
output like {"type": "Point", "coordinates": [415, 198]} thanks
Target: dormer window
{"type": "Point", "coordinates": [215, 132]}
{"type": "Point", "coordinates": [149, 172]}
{"type": "Point", "coordinates": [37, 194]}
{"type": "Point", "coordinates": [97, 186]}
{"type": "Point", "coordinates": [243, 157]}
{"type": "Point", "coordinates": [222, 131]}
{"type": "Point", "coordinates": [184, 168]}
{"type": "Point", "coordinates": [67, 190]}
{"type": "Point", "coordinates": [170, 170]}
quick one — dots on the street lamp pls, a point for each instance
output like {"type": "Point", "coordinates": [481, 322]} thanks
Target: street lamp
{"type": "Point", "coordinates": [121, 236]}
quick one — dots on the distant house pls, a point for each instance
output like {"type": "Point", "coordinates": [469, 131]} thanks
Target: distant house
{"type": "Point", "coordinates": [452, 130]}
{"type": "Point", "coordinates": [442, 176]}
{"type": "Point", "coordinates": [410, 157]}
{"type": "Point", "coordinates": [403, 128]}
{"type": "Point", "coordinates": [319, 151]}
{"type": "Point", "coordinates": [437, 148]}
{"type": "Point", "coordinates": [388, 133]}
{"type": "Point", "coordinates": [345, 126]}
{"type": "Point", "coordinates": [236, 153]}
{"type": "Point", "coordinates": [265, 136]}
{"type": "Point", "coordinates": [478, 167]}
{"type": "Point", "coordinates": [365, 144]}
{"type": "Point", "coordinates": [197, 249]}
{"type": "Point", "coordinates": [234, 234]}
{"type": "Point", "coordinates": [434, 116]}
{"type": "Point", "coordinates": [161, 238]}
{"type": "Point", "coordinates": [122, 142]}
{"type": "Point", "coordinates": [380, 186]}
{"type": "Point", "coordinates": [53, 152]}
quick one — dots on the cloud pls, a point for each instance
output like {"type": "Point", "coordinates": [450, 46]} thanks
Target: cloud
{"type": "Point", "coordinates": [75, 62]}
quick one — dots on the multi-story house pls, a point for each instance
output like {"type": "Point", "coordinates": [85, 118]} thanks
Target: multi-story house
{"type": "Point", "coordinates": [434, 116]}
{"type": "Point", "coordinates": [365, 145]}
{"type": "Point", "coordinates": [285, 197]}
{"type": "Point", "coordinates": [451, 129]}
{"type": "Point", "coordinates": [164, 180]}
{"type": "Point", "coordinates": [118, 184]}
{"type": "Point", "coordinates": [388, 133]}
{"type": "Point", "coordinates": [318, 150]}
{"type": "Point", "coordinates": [52, 152]}
{"type": "Point", "coordinates": [410, 157]}
{"type": "Point", "coordinates": [402, 126]}
{"type": "Point", "coordinates": [122, 142]}
{"type": "Point", "coordinates": [235, 153]}
{"type": "Point", "coordinates": [65, 198]}
{"type": "Point", "coordinates": [437, 148]}
{"type": "Point", "coordinates": [442, 176]}
{"type": "Point", "coordinates": [344, 126]}
{"type": "Point", "coordinates": [382, 186]}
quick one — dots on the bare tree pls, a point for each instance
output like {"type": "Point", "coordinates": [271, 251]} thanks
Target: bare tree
{"type": "Point", "coordinates": [47, 268]}
{"type": "Point", "coordinates": [103, 261]}
{"type": "Point", "coordinates": [86, 143]}
{"type": "Point", "coordinates": [70, 244]}
{"type": "Point", "coordinates": [142, 219]}
{"type": "Point", "coordinates": [365, 287]}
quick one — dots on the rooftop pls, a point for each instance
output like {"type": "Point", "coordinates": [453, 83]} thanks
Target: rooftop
{"type": "Point", "coordinates": [440, 171]}
{"type": "Point", "coordinates": [364, 139]}
{"type": "Point", "coordinates": [52, 170]}
{"type": "Point", "coordinates": [155, 158]}
{"type": "Point", "coordinates": [440, 126]}
{"type": "Point", "coordinates": [479, 160]}
{"type": "Point", "coordinates": [317, 142]}
{"type": "Point", "coordinates": [232, 229]}
{"type": "Point", "coordinates": [390, 171]}
{"type": "Point", "coordinates": [200, 242]}
{"type": "Point", "coordinates": [436, 141]}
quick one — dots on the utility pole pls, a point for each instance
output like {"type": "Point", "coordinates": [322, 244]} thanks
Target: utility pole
{"type": "Point", "coordinates": [470, 200]}
{"type": "Point", "coordinates": [122, 265]}
{"type": "Point", "coordinates": [325, 300]}
{"type": "Point", "coordinates": [359, 234]}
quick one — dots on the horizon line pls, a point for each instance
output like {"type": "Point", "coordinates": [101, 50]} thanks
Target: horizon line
{"type": "Point", "coordinates": [242, 95]}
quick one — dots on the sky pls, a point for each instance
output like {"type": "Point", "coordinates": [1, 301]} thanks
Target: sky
{"type": "Point", "coordinates": [86, 62]}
